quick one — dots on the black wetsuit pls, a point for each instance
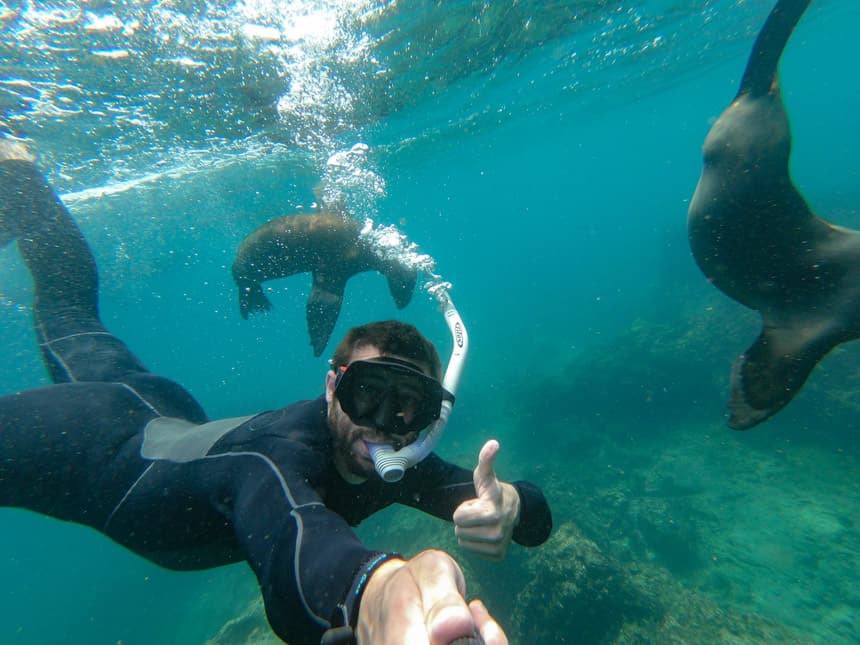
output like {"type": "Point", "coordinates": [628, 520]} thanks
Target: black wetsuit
{"type": "Point", "coordinates": [264, 490]}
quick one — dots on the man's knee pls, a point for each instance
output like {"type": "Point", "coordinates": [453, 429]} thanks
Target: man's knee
{"type": "Point", "coordinates": [166, 397]}
{"type": "Point", "coordinates": [95, 355]}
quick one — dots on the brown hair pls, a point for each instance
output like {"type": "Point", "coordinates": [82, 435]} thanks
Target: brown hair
{"type": "Point", "coordinates": [390, 337]}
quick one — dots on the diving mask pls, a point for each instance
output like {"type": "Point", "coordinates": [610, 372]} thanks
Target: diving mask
{"type": "Point", "coordinates": [389, 394]}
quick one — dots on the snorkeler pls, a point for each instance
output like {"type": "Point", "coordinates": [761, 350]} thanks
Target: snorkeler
{"type": "Point", "coordinates": [755, 238]}
{"type": "Point", "coordinates": [132, 454]}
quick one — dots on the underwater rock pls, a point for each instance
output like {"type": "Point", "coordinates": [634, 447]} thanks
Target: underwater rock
{"type": "Point", "coordinates": [250, 627]}
{"type": "Point", "coordinates": [574, 589]}
{"type": "Point", "coordinates": [675, 543]}
{"type": "Point", "coordinates": [577, 593]}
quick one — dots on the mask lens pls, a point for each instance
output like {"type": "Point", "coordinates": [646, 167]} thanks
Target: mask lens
{"type": "Point", "coordinates": [390, 396]}
{"type": "Point", "coordinates": [367, 393]}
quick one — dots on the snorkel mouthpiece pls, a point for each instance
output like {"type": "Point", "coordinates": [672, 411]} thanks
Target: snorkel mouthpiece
{"type": "Point", "coordinates": [391, 464]}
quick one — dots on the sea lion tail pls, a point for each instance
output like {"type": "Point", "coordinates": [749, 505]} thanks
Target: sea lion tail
{"type": "Point", "coordinates": [760, 76]}
{"type": "Point", "coordinates": [771, 372]}
{"type": "Point", "coordinates": [252, 299]}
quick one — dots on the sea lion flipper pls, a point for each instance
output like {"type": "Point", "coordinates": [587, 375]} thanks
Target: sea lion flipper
{"type": "Point", "coordinates": [252, 299]}
{"type": "Point", "coordinates": [771, 372]}
{"type": "Point", "coordinates": [322, 311]}
{"type": "Point", "coordinates": [401, 283]}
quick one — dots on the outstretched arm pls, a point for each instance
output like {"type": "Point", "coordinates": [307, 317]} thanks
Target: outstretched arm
{"type": "Point", "coordinates": [310, 564]}
{"type": "Point", "coordinates": [315, 575]}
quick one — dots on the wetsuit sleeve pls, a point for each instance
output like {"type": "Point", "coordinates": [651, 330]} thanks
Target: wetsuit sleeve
{"type": "Point", "coordinates": [309, 563]}
{"type": "Point", "coordinates": [535, 523]}
{"type": "Point", "coordinates": [439, 487]}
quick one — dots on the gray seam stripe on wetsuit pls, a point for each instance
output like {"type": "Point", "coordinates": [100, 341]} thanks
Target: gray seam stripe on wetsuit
{"type": "Point", "coordinates": [178, 440]}
{"type": "Point", "coordinates": [181, 441]}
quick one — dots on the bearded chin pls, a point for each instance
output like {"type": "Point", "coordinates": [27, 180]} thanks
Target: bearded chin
{"type": "Point", "coordinates": [343, 435]}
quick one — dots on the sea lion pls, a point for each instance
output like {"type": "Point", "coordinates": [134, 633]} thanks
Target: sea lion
{"type": "Point", "coordinates": [755, 238]}
{"type": "Point", "coordinates": [329, 246]}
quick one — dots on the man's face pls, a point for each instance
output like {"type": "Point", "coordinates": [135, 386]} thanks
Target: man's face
{"type": "Point", "coordinates": [352, 456]}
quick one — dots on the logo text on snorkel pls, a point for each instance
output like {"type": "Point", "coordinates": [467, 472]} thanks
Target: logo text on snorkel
{"type": "Point", "coordinates": [458, 334]}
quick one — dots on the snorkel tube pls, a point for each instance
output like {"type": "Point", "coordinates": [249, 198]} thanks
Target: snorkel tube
{"type": "Point", "coordinates": [391, 464]}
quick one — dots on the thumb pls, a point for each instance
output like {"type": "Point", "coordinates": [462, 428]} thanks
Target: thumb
{"type": "Point", "coordinates": [486, 484]}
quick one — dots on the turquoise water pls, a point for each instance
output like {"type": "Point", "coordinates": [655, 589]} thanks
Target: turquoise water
{"type": "Point", "coordinates": [543, 154]}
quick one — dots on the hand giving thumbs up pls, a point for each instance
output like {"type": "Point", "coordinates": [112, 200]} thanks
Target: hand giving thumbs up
{"type": "Point", "coordinates": [484, 525]}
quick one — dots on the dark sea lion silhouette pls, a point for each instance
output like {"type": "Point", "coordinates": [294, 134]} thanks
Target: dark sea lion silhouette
{"type": "Point", "coordinates": [755, 238]}
{"type": "Point", "coordinates": [329, 246]}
